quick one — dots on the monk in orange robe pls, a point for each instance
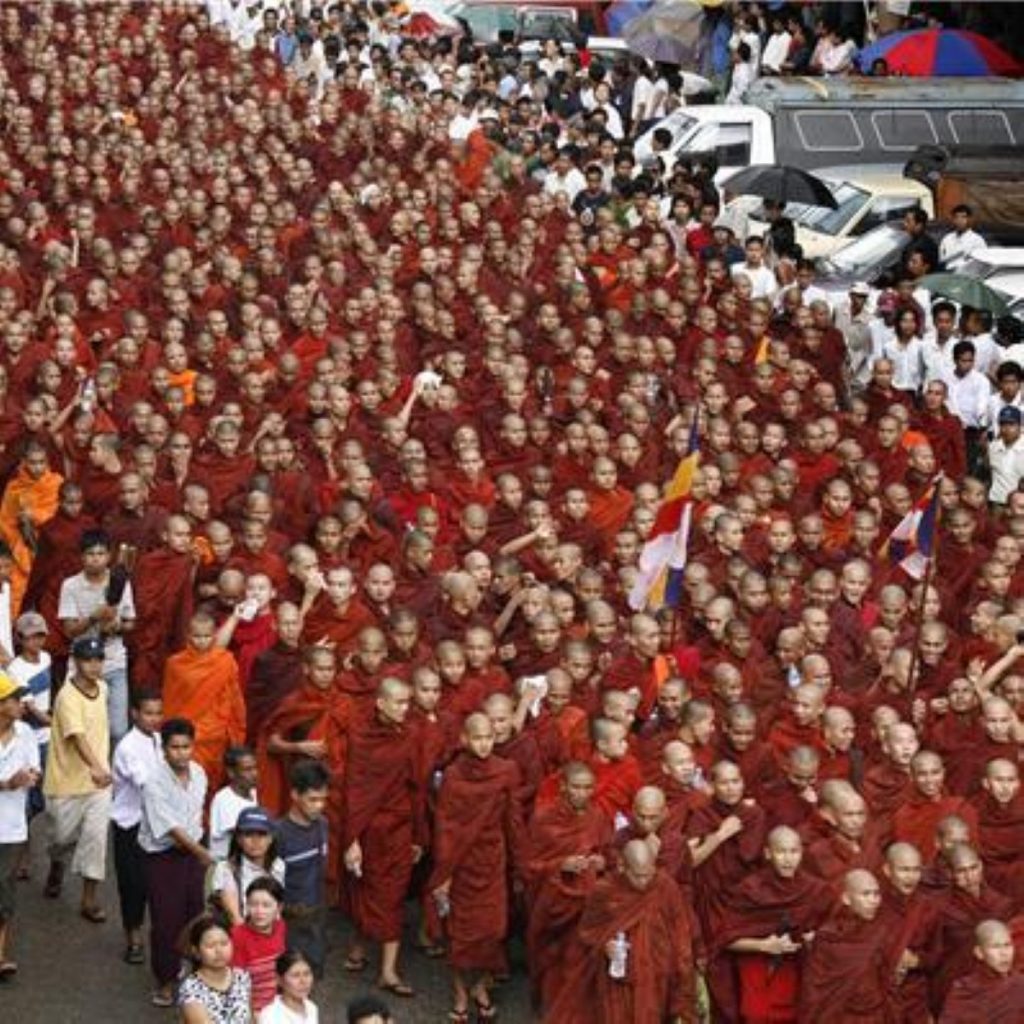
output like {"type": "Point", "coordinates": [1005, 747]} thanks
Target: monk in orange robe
{"type": "Point", "coordinates": [29, 502]}
{"type": "Point", "coordinates": [201, 684]}
{"type": "Point", "coordinates": [654, 979]}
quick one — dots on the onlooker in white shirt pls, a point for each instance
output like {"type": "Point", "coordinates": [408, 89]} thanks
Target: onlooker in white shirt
{"type": "Point", "coordinates": [962, 240]}
{"type": "Point", "coordinates": [232, 799]}
{"type": "Point", "coordinates": [762, 279]}
{"type": "Point", "coordinates": [969, 390]}
{"type": "Point", "coordinates": [1009, 393]}
{"type": "Point", "coordinates": [136, 757]}
{"type": "Point", "coordinates": [776, 50]}
{"type": "Point", "coordinates": [904, 351]}
{"type": "Point", "coordinates": [1006, 456]}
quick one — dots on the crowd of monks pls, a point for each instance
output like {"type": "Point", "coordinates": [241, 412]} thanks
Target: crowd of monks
{"type": "Point", "coordinates": [379, 428]}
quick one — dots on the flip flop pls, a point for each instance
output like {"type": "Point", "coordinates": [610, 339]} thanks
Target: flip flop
{"type": "Point", "coordinates": [356, 964]}
{"type": "Point", "coordinates": [134, 954]}
{"type": "Point", "coordinates": [161, 1001]}
{"type": "Point", "coordinates": [8, 969]}
{"type": "Point", "coordinates": [397, 988]}
{"type": "Point", "coordinates": [94, 915]}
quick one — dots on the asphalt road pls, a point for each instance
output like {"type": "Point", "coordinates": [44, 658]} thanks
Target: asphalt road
{"type": "Point", "coordinates": [71, 972]}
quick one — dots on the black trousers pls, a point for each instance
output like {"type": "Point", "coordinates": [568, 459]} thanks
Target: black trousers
{"type": "Point", "coordinates": [174, 884]}
{"type": "Point", "coordinates": [130, 868]}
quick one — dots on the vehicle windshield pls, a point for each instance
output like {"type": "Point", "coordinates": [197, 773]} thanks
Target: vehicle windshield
{"type": "Point", "coordinates": [866, 252]}
{"type": "Point", "coordinates": [679, 125]}
{"type": "Point", "coordinates": [850, 200]}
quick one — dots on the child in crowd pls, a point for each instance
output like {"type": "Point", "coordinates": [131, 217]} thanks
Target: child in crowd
{"type": "Point", "coordinates": [232, 799]}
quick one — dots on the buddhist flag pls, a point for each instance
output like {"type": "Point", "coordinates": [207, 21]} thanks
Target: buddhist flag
{"type": "Point", "coordinates": [912, 542]}
{"type": "Point", "coordinates": [663, 558]}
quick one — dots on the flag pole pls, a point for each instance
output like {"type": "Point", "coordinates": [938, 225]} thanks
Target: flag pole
{"type": "Point", "coordinates": [915, 655]}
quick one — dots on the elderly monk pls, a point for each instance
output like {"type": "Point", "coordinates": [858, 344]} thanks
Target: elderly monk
{"type": "Point", "coordinates": [201, 684]}
{"type": "Point", "coordinates": [384, 829]}
{"type": "Point", "coordinates": [276, 672]}
{"type": "Point", "coordinates": [992, 991]}
{"type": "Point", "coordinates": [910, 915]}
{"type": "Point", "coordinates": [915, 819]}
{"type": "Point", "coordinates": [771, 914]}
{"type": "Point", "coordinates": [477, 833]}
{"type": "Point", "coordinates": [1000, 823]}
{"type": "Point", "coordinates": [563, 856]}
{"type": "Point", "coordinates": [162, 585]}
{"type": "Point", "coordinates": [847, 977]}
{"type": "Point", "coordinates": [638, 910]}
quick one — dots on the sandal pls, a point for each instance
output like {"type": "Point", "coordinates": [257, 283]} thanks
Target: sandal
{"type": "Point", "coordinates": [162, 1001]}
{"type": "Point", "coordinates": [458, 1016]}
{"type": "Point", "coordinates": [54, 881]}
{"type": "Point", "coordinates": [134, 954]}
{"type": "Point", "coordinates": [397, 988]}
{"type": "Point", "coordinates": [94, 915]}
{"type": "Point", "coordinates": [356, 964]}
{"type": "Point", "coordinates": [485, 1011]}
{"type": "Point", "coordinates": [8, 969]}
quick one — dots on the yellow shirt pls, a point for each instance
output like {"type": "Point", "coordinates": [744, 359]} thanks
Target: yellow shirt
{"type": "Point", "coordinates": [75, 714]}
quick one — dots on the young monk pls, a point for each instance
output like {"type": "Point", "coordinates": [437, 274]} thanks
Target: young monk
{"type": "Point", "coordinates": [384, 829]}
{"type": "Point", "coordinates": [201, 684]}
{"type": "Point", "coordinates": [476, 833]}
{"type": "Point", "coordinates": [992, 992]}
{"type": "Point", "coordinates": [847, 977]}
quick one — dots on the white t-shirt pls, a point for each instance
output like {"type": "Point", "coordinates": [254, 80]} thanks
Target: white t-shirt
{"type": "Point", "coordinates": [79, 599]}
{"type": "Point", "coordinates": [20, 751]}
{"type": "Point", "coordinates": [278, 1013]}
{"type": "Point", "coordinates": [35, 677]}
{"type": "Point", "coordinates": [224, 812]}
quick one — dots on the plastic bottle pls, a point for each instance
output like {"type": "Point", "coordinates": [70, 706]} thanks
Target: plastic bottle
{"type": "Point", "coordinates": [620, 956]}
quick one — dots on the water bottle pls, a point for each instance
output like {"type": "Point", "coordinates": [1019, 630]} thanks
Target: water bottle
{"type": "Point", "coordinates": [443, 903]}
{"type": "Point", "coordinates": [88, 399]}
{"type": "Point", "coordinates": [619, 958]}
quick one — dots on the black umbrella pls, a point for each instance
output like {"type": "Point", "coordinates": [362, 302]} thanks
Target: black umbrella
{"type": "Point", "coordinates": [783, 184]}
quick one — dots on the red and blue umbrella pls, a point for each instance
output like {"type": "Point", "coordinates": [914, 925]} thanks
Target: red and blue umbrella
{"type": "Point", "coordinates": [940, 52]}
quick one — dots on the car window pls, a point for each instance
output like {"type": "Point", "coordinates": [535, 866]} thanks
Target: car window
{"type": "Point", "coordinates": [885, 209]}
{"type": "Point", "coordinates": [867, 251]}
{"type": "Point", "coordinates": [729, 142]}
{"type": "Point", "coordinates": [850, 200]}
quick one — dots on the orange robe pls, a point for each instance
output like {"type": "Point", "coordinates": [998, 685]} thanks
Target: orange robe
{"type": "Point", "coordinates": [37, 498]}
{"type": "Point", "coordinates": [204, 688]}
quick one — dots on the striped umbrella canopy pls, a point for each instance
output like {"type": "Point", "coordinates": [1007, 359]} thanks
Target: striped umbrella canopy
{"type": "Point", "coordinates": [940, 52]}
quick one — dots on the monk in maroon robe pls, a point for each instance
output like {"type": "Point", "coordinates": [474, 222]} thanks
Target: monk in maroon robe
{"type": "Point", "coordinates": [992, 991]}
{"type": "Point", "coordinates": [847, 976]}
{"type": "Point", "coordinates": [726, 838]}
{"type": "Point", "coordinates": [1000, 824]}
{"type": "Point", "coordinates": [384, 831]}
{"type": "Point", "coordinates": [762, 934]}
{"type": "Point", "coordinates": [632, 959]}
{"type": "Point", "coordinates": [477, 832]}
{"type": "Point", "coordinates": [162, 586]}
{"type": "Point", "coordinates": [275, 673]}
{"type": "Point", "coordinates": [887, 784]}
{"type": "Point", "coordinates": [563, 857]}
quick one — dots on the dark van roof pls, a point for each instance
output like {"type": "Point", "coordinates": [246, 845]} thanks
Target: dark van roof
{"type": "Point", "coordinates": [770, 93]}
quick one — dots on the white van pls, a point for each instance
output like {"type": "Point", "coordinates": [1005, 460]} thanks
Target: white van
{"type": "Point", "coordinates": [825, 122]}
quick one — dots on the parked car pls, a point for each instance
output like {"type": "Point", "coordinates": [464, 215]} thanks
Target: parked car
{"type": "Point", "coordinates": [864, 201]}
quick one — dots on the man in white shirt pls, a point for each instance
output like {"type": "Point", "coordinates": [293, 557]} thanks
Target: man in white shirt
{"type": "Point", "coordinates": [1006, 456]}
{"type": "Point", "coordinates": [564, 176]}
{"type": "Point", "coordinates": [776, 50]}
{"type": "Point", "coordinates": [763, 280]}
{"type": "Point", "coordinates": [853, 318]}
{"type": "Point", "coordinates": [969, 390]}
{"type": "Point", "coordinates": [1009, 393]}
{"type": "Point", "coordinates": [962, 240]}
{"type": "Point", "coordinates": [939, 342]}
{"type": "Point", "coordinates": [136, 758]}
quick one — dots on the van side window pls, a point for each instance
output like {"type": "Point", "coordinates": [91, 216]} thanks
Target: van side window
{"type": "Point", "coordinates": [884, 210]}
{"type": "Point", "coordinates": [732, 148]}
{"type": "Point", "coordinates": [828, 131]}
{"type": "Point", "coordinates": [981, 128]}
{"type": "Point", "coordinates": [904, 129]}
